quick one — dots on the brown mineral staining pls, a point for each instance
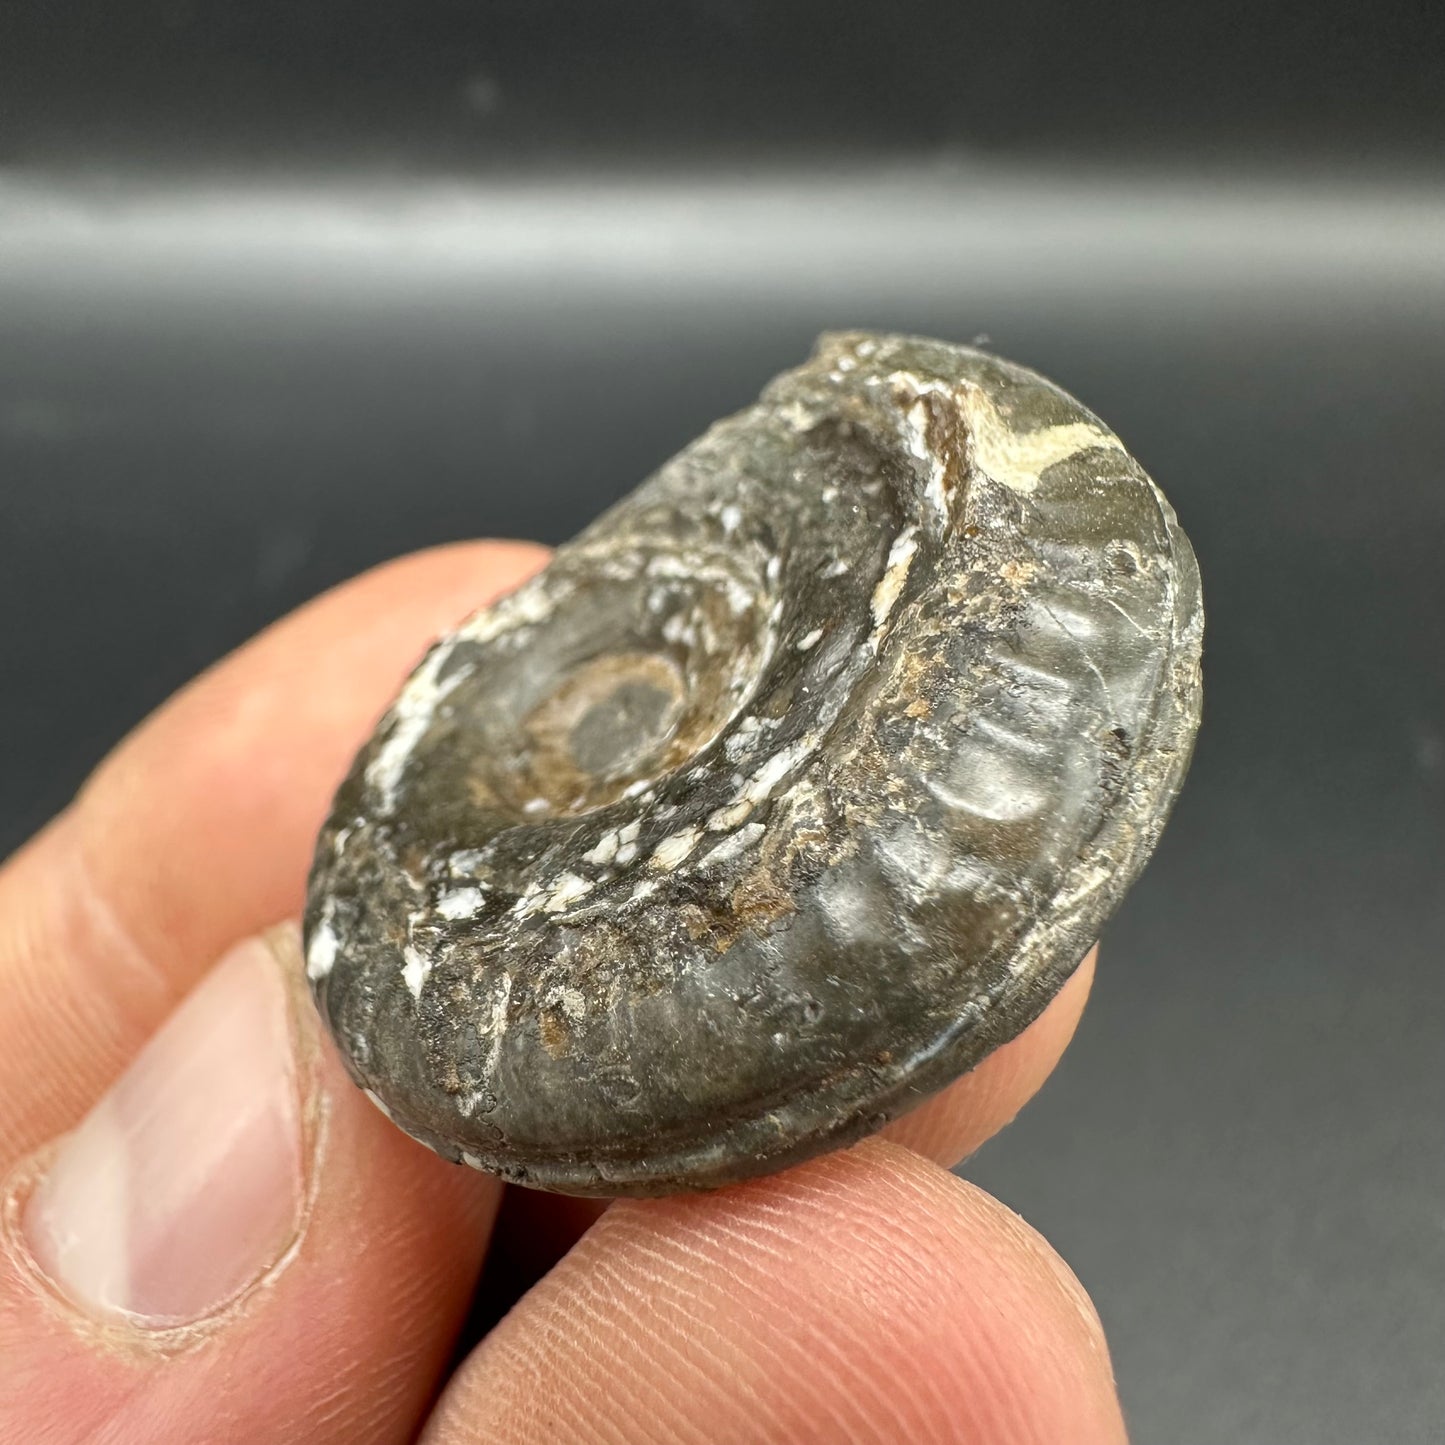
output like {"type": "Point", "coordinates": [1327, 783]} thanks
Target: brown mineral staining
{"type": "Point", "coordinates": [553, 1032]}
{"type": "Point", "coordinates": [759, 900]}
{"type": "Point", "coordinates": [798, 782]}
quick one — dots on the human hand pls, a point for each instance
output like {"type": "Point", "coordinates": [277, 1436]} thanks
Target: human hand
{"type": "Point", "coordinates": [232, 1245]}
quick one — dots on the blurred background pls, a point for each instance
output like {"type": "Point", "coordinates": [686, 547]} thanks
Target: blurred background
{"type": "Point", "coordinates": [288, 289]}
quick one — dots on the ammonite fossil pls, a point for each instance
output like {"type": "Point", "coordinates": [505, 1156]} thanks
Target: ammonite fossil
{"type": "Point", "coordinates": [795, 784]}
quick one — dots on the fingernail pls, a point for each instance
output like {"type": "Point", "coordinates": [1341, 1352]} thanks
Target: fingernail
{"type": "Point", "coordinates": [184, 1184]}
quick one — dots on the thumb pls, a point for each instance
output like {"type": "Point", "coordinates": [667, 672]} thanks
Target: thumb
{"type": "Point", "coordinates": [233, 1245]}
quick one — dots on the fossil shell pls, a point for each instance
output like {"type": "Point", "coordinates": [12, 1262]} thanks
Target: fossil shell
{"type": "Point", "coordinates": [793, 786]}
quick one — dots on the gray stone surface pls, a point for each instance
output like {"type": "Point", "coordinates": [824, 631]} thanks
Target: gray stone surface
{"type": "Point", "coordinates": [794, 785]}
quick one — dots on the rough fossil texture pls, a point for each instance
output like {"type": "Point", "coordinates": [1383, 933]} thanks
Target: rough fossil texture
{"type": "Point", "coordinates": [793, 786]}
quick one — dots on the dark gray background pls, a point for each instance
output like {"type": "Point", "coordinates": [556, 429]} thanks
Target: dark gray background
{"type": "Point", "coordinates": [285, 290]}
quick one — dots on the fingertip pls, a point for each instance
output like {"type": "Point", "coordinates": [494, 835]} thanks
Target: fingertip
{"type": "Point", "coordinates": [235, 1245]}
{"type": "Point", "coordinates": [316, 678]}
{"type": "Point", "coordinates": [867, 1296]}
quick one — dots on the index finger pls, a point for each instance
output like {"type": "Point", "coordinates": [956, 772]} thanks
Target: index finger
{"type": "Point", "coordinates": [197, 831]}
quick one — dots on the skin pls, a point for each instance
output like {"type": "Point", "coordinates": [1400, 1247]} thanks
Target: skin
{"type": "Point", "coordinates": [865, 1296]}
